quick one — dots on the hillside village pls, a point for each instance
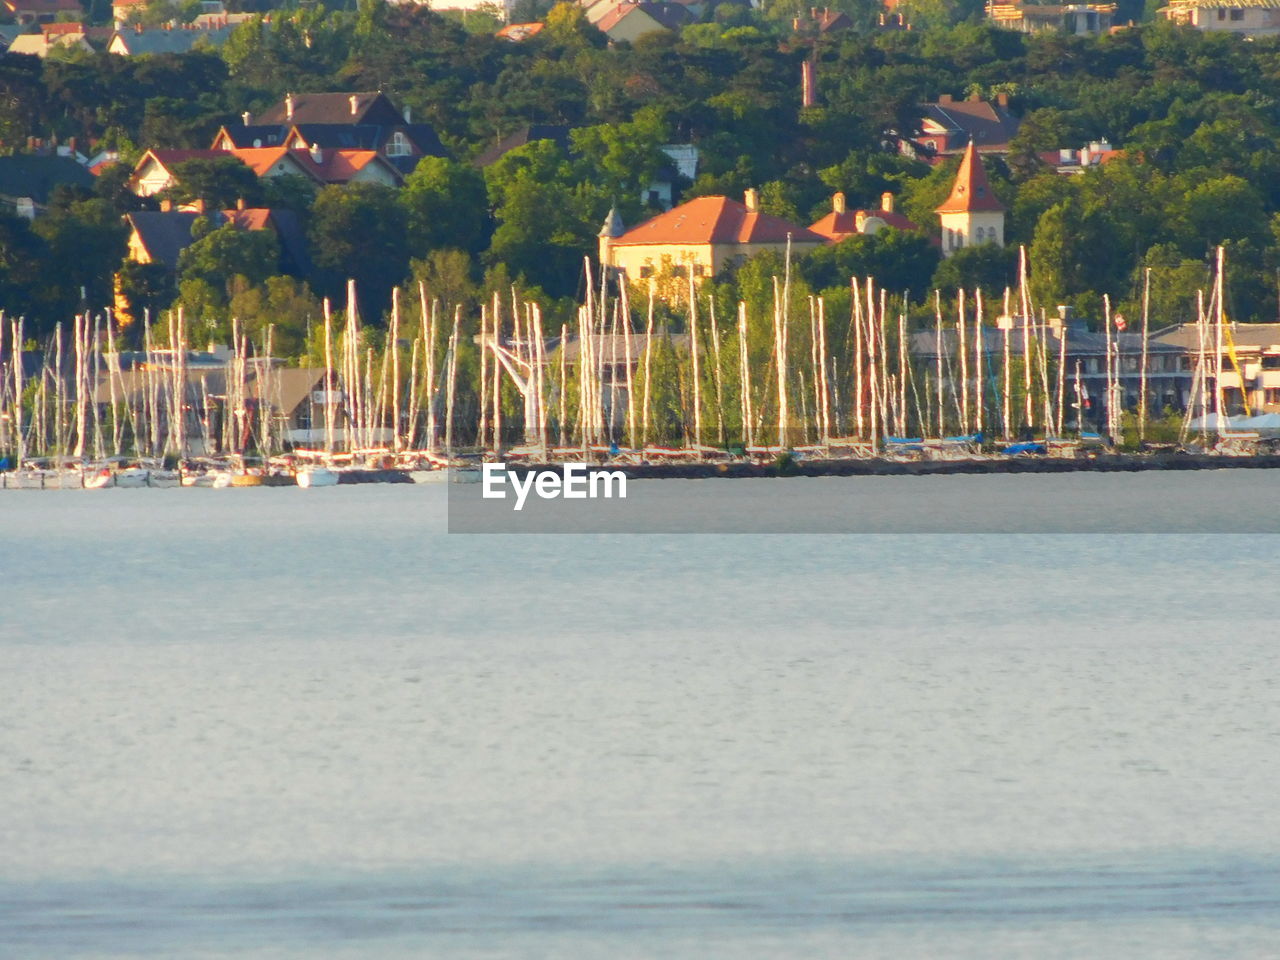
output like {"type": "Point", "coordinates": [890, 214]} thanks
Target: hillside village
{"type": "Point", "coordinates": [252, 160]}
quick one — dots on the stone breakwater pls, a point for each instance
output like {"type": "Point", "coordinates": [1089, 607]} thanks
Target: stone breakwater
{"type": "Point", "coordinates": [1114, 463]}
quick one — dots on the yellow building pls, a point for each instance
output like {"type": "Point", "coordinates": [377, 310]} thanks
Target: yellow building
{"type": "Point", "coordinates": [705, 235]}
{"type": "Point", "coordinates": [971, 214]}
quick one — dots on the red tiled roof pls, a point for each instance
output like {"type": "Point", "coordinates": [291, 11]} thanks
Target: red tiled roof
{"type": "Point", "coordinates": [335, 166]}
{"type": "Point", "coordinates": [250, 218]}
{"type": "Point", "coordinates": [715, 220]}
{"type": "Point", "coordinates": [971, 192]}
{"type": "Point", "coordinates": [836, 226]}
{"type": "Point", "coordinates": [61, 29]}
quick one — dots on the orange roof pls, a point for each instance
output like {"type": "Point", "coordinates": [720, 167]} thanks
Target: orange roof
{"type": "Point", "coordinates": [971, 192]}
{"type": "Point", "coordinates": [250, 218]}
{"type": "Point", "coordinates": [837, 226]}
{"type": "Point", "coordinates": [715, 220]}
{"type": "Point", "coordinates": [61, 29]}
{"type": "Point", "coordinates": [335, 166]}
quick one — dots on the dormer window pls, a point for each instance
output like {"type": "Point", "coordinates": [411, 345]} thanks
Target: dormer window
{"type": "Point", "coordinates": [398, 145]}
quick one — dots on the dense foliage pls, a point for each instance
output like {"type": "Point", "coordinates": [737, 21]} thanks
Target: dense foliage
{"type": "Point", "coordinates": [1197, 115]}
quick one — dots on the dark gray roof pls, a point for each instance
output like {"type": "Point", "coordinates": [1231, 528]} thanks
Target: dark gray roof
{"type": "Point", "coordinates": [557, 132]}
{"type": "Point", "coordinates": [172, 41]}
{"type": "Point", "coordinates": [28, 175]}
{"type": "Point", "coordinates": [371, 107]}
{"type": "Point", "coordinates": [1186, 337]}
{"type": "Point", "coordinates": [257, 135]}
{"type": "Point", "coordinates": [1080, 342]}
{"type": "Point", "coordinates": [165, 234]}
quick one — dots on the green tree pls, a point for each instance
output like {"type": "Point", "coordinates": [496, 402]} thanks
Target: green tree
{"type": "Point", "coordinates": [357, 232]}
{"type": "Point", "coordinates": [445, 207]}
{"type": "Point", "coordinates": [227, 252]}
{"type": "Point", "coordinates": [218, 181]}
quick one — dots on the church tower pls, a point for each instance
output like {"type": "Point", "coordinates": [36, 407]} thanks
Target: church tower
{"type": "Point", "coordinates": [971, 214]}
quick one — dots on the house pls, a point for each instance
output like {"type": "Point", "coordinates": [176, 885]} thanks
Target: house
{"type": "Point", "coordinates": [632, 19]}
{"type": "Point", "coordinates": [40, 11]}
{"type": "Point", "coordinates": [704, 236]}
{"type": "Point", "coordinates": [1249, 367]}
{"type": "Point", "coordinates": [338, 121]}
{"type": "Point", "coordinates": [27, 181]}
{"type": "Point", "coordinates": [52, 36]}
{"type": "Point", "coordinates": [402, 146]}
{"type": "Point", "coordinates": [1169, 369]}
{"type": "Point", "coordinates": [136, 42]}
{"type": "Point", "coordinates": [949, 125]}
{"type": "Point", "coordinates": [1074, 19]}
{"type": "Point", "coordinates": [842, 223]}
{"type": "Point", "coordinates": [1249, 18]}
{"type": "Point", "coordinates": [155, 170]}
{"type": "Point", "coordinates": [682, 165]}
{"type": "Point", "coordinates": [160, 236]}
{"type": "Point", "coordinates": [971, 214]}
{"type": "Point", "coordinates": [322, 166]}
{"type": "Point", "coordinates": [821, 22]}
{"type": "Point", "coordinates": [1070, 162]}
{"type": "Point", "coordinates": [499, 8]}
{"type": "Point", "coordinates": [559, 133]}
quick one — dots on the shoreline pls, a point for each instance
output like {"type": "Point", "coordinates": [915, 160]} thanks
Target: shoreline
{"type": "Point", "coordinates": [880, 467]}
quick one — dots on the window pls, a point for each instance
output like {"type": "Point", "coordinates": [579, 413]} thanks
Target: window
{"type": "Point", "coordinates": [1237, 14]}
{"type": "Point", "coordinates": [981, 234]}
{"type": "Point", "coordinates": [398, 145]}
{"type": "Point", "coordinates": [1222, 14]}
{"type": "Point", "coordinates": [1271, 395]}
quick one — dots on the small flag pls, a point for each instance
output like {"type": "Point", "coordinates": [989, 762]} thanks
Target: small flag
{"type": "Point", "coordinates": [1121, 322]}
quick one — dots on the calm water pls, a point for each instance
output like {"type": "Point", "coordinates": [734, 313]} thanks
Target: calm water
{"type": "Point", "coordinates": [286, 723]}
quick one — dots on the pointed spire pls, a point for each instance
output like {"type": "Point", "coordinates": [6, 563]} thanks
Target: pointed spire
{"type": "Point", "coordinates": [612, 226]}
{"type": "Point", "coordinates": [971, 192]}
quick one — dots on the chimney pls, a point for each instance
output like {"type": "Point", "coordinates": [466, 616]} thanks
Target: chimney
{"type": "Point", "coordinates": [752, 200]}
{"type": "Point", "coordinates": [355, 104]}
{"type": "Point", "coordinates": [945, 99]}
{"type": "Point", "coordinates": [197, 205]}
{"type": "Point", "coordinates": [974, 97]}
{"type": "Point", "coordinates": [246, 117]}
{"type": "Point", "coordinates": [886, 202]}
{"type": "Point", "coordinates": [807, 93]}
{"type": "Point", "coordinates": [166, 206]}
{"type": "Point", "coordinates": [316, 153]}
{"type": "Point", "coordinates": [408, 115]}
{"type": "Point", "coordinates": [838, 204]}
{"type": "Point", "coordinates": [288, 106]}
{"type": "Point", "coordinates": [1002, 99]}
{"type": "Point", "coordinates": [860, 221]}
{"type": "Point", "coordinates": [239, 203]}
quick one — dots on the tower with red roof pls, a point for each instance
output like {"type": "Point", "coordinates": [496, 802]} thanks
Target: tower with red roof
{"type": "Point", "coordinates": [971, 214]}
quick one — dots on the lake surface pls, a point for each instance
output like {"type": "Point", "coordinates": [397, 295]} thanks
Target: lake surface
{"type": "Point", "coordinates": [279, 723]}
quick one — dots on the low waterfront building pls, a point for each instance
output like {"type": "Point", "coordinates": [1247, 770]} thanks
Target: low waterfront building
{"type": "Point", "coordinates": [1169, 377]}
{"type": "Point", "coordinates": [1248, 366]}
